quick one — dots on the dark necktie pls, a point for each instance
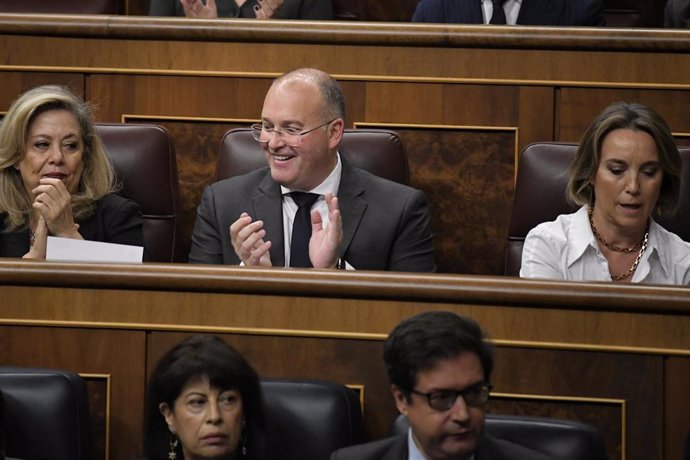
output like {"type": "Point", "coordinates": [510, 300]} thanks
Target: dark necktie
{"type": "Point", "coordinates": [301, 229]}
{"type": "Point", "coordinates": [498, 16]}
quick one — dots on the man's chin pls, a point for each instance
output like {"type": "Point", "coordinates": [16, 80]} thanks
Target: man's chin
{"type": "Point", "coordinates": [459, 446]}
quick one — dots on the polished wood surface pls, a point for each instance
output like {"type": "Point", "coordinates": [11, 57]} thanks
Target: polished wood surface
{"type": "Point", "coordinates": [614, 356]}
{"type": "Point", "coordinates": [466, 99]}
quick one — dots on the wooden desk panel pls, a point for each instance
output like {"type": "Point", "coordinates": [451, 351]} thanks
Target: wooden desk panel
{"type": "Point", "coordinates": [615, 356]}
{"type": "Point", "coordinates": [495, 89]}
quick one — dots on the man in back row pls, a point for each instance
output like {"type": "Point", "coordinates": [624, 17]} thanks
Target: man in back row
{"type": "Point", "coordinates": [511, 12]}
{"type": "Point", "coordinates": [310, 207]}
{"type": "Point", "coordinates": [439, 366]}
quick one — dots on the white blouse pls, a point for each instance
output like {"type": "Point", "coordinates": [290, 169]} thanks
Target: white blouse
{"type": "Point", "coordinates": [566, 249]}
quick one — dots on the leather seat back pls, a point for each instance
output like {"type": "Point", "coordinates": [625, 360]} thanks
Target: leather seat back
{"type": "Point", "coordinates": [46, 414]}
{"type": "Point", "coordinates": [310, 419]}
{"type": "Point", "coordinates": [144, 159]}
{"type": "Point", "coordinates": [540, 196]}
{"type": "Point", "coordinates": [378, 151]}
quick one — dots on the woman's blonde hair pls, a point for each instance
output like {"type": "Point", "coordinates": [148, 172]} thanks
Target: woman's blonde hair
{"type": "Point", "coordinates": [636, 117]}
{"type": "Point", "coordinates": [98, 176]}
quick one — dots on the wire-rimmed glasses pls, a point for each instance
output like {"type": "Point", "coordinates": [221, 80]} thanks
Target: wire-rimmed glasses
{"type": "Point", "coordinates": [263, 132]}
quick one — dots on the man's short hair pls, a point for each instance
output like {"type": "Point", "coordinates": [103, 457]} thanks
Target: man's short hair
{"type": "Point", "coordinates": [331, 92]}
{"type": "Point", "coordinates": [418, 343]}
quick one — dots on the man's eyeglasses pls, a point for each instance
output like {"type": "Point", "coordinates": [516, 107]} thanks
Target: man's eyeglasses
{"type": "Point", "coordinates": [474, 396]}
{"type": "Point", "coordinates": [291, 136]}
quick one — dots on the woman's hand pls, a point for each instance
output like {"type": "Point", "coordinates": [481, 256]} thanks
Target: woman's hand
{"type": "Point", "coordinates": [267, 9]}
{"type": "Point", "coordinates": [52, 201]}
{"type": "Point", "coordinates": [39, 241]}
{"type": "Point", "coordinates": [197, 9]}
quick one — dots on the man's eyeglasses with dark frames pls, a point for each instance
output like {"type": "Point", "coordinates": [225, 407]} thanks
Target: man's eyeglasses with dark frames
{"type": "Point", "coordinates": [474, 396]}
{"type": "Point", "coordinates": [292, 136]}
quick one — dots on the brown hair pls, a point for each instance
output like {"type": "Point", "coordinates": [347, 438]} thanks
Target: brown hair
{"type": "Point", "coordinates": [636, 117]}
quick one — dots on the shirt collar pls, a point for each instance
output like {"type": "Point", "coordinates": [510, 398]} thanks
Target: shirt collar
{"type": "Point", "coordinates": [330, 184]}
{"type": "Point", "coordinates": [580, 236]}
{"type": "Point", "coordinates": [654, 244]}
{"type": "Point", "coordinates": [412, 449]}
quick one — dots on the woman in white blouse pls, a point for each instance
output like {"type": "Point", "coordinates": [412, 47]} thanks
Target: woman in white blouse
{"type": "Point", "coordinates": [626, 169]}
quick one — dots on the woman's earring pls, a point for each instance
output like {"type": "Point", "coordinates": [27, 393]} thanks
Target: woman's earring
{"type": "Point", "coordinates": [172, 455]}
{"type": "Point", "coordinates": [244, 437]}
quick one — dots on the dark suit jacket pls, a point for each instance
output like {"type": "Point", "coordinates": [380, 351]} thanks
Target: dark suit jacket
{"type": "Point", "coordinates": [395, 448]}
{"type": "Point", "coordinates": [677, 14]}
{"type": "Point", "coordinates": [291, 9]}
{"type": "Point", "coordinates": [532, 12]}
{"type": "Point", "coordinates": [385, 224]}
{"type": "Point", "coordinates": [115, 220]}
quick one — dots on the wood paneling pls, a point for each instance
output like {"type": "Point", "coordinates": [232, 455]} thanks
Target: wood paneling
{"type": "Point", "coordinates": [114, 353]}
{"type": "Point", "coordinates": [524, 84]}
{"type": "Point", "coordinates": [579, 106]}
{"type": "Point", "coordinates": [467, 175]}
{"type": "Point", "coordinates": [563, 349]}
{"type": "Point", "coordinates": [15, 83]}
{"type": "Point", "coordinates": [676, 403]}
{"type": "Point", "coordinates": [462, 99]}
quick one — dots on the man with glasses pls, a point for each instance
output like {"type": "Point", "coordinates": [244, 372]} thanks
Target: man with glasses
{"type": "Point", "coordinates": [310, 207]}
{"type": "Point", "coordinates": [439, 366]}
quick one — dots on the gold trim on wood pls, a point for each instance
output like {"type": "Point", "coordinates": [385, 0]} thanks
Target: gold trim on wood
{"type": "Point", "coordinates": [108, 388]}
{"type": "Point", "coordinates": [333, 335]}
{"type": "Point", "coordinates": [125, 117]}
{"type": "Point", "coordinates": [347, 77]}
{"type": "Point", "coordinates": [359, 388]}
{"type": "Point", "coordinates": [578, 399]}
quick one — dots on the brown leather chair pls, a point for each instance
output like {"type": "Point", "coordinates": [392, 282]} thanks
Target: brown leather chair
{"type": "Point", "coordinates": [378, 151]}
{"type": "Point", "coordinates": [63, 6]}
{"type": "Point", "coordinates": [540, 196]}
{"type": "Point", "coordinates": [144, 160]}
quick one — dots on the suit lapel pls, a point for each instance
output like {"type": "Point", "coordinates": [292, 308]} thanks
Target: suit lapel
{"type": "Point", "coordinates": [352, 205]}
{"type": "Point", "coordinates": [267, 204]}
{"type": "Point", "coordinates": [398, 450]}
{"type": "Point", "coordinates": [465, 12]}
{"type": "Point", "coordinates": [540, 12]}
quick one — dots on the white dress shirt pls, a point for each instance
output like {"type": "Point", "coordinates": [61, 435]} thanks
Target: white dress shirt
{"type": "Point", "coordinates": [511, 8]}
{"type": "Point", "coordinates": [566, 249]}
{"type": "Point", "coordinates": [330, 184]}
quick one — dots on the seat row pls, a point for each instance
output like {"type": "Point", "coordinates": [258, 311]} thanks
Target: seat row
{"type": "Point", "coordinates": [46, 415]}
{"type": "Point", "coordinates": [144, 159]}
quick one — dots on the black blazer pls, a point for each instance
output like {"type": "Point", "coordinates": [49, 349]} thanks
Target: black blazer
{"type": "Point", "coordinates": [115, 220]}
{"type": "Point", "coordinates": [532, 12]}
{"type": "Point", "coordinates": [290, 9]}
{"type": "Point", "coordinates": [385, 224]}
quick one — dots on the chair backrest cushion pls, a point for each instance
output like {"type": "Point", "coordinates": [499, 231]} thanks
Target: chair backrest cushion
{"type": "Point", "coordinates": [378, 151]}
{"type": "Point", "coordinates": [540, 196]}
{"type": "Point", "coordinates": [561, 439]}
{"type": "Point", "coordinates": [310, 419]}
{"type": "Point", "coordinates": [144, 159]}
{"type": "Point", "coordinates": [46, 414]}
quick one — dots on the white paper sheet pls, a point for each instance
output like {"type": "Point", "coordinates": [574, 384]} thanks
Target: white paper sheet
{"type": "Point", "coordinates": [68, 249]}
